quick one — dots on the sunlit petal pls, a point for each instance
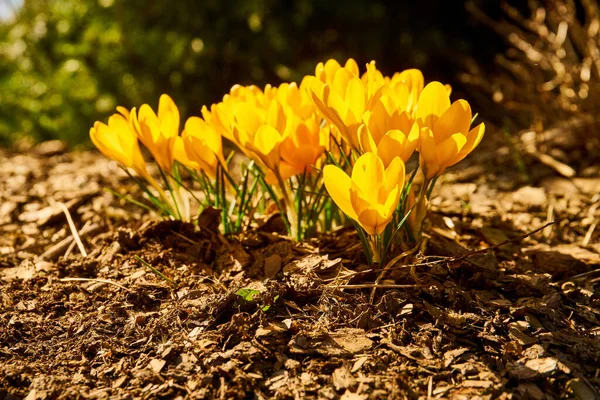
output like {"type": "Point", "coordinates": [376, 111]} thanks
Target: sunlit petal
{"type": "Point", "coordinates": [433, 102]}
{"type": "Point", "coordinates": [337, 183]}
{"type": "Point", "coordinates": [455, 119]}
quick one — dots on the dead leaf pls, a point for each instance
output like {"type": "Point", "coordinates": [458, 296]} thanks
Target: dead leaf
{"type": "Point", "coordinates": [272, 265]}
{"type": "Point", "coordinates": [342, 378]}
{"type": "Point", "coordinates": [346, 341]}
{"type": "Point", "coordinates": [352, 340]}
{"type": "Point", "coordinates": [582, 390]}
{"type": "Point", "coordinates": [156, 364]}
{"type": "Point", "coordinates": [530, 196]}
{"type": "Point", "coordinates": [542, 365]}
{"type": "Point", "coordinates": [451, 355]}
{"type": "Point", "coordinates": [477, 384]}
{"type": "Point", "coordinates": [210, 218]}
{"type": "Point", "coordinates": [532, 369]}
{"type": "Point", "coordinates": [271, 328]}
{"type": "Point", "coordinates": [348, 395]}
{"type": "Point", "coordinates": [530, 391]}
{"type": "Point", "coordinates": [358, 364]}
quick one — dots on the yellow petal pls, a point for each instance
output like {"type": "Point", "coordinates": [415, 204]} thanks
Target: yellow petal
{"type": "Point", "coordinates": [183, 155]}
{"type": "Point", "coordinates": [206, 132]}
{"type": "Point", "coordinates": [448, 149]}
{"type": "Point", "coordinates": [413, 80]}
{"type": "Point", "coordinates": [395, 175]}
{"type": "Point", "coordinates": [377, 120]}
{"type": "Point", "coordinates": [433, 102]}
{"type": "Point", "coordinates": [266, 146]}
{"type": "Point", "coordinates": [301, 156]}
{"type": "Point", "coordinates": [248, 118]}
{"type": "Point", "coordinates": [374, 219]}
{"type": "Point", "coordinates": [105, 143]}
{"type": "Point", "coordinates": [123, 111]}
{"type": "Point", "coordinates": [456, 119]}
{"type": "Point", "coordinates": [428, 157]}
{"type": "Point", "coordinates": [368, 175]}
{"type": "Point", "coordinates": [286, 171]}
{"type": "Point", "coordinates": [340, 81]}
{"type": "Point", "coordinates": [394, 144]}
{"type": "Point", "coordinates": [355, 98]}
{"type": "Point", "coordinates": [276, 116]}
{"type": "Point", "coordinates": [391, 202]}
{"type": "Point", "coordinates": [322, 100]}
{"type": "Point", "coordinates": [200, 154]}
{"type": "Point", "coordinates": [365, 139]}
{"type": "Point", "coordinates": [118, 142]}
{"type": "Point", "coordinates": [351, 66]}
{"type": "Point", "coordinates": [473, 139]}
{"type": "Point", "coordinates": [168, 153]}
{"type": "Point", "coordinates": [338, 184]}
{"type": "Point", "coordinates": [147, 116]}
{"type": "Point", "coordinates": [329, 69]}
{"type": "Point", "coordinates": [168, 115]}
{"type": "Point", "coordinates": [202, 145]}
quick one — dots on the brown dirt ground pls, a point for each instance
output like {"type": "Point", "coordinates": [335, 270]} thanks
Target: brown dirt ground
{"type": "Point", "coordinates": [518, 321]}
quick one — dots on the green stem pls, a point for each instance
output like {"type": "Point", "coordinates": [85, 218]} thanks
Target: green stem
{"type": "Point", "coordinates": [374, 242]}
{"type": "Point", "coordinates": [290, 210]}
{"type": "Point", "coordinates": [171, 192]}
{"type": "Point", "coordinates": [420, 210]}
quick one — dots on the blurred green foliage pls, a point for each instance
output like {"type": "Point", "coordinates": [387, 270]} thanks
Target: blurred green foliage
{"type": "Point", "coordinates": [66, 63]}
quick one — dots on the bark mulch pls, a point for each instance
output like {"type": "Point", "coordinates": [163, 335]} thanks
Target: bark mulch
{"type": "Point", "coordinates": [489, 310]}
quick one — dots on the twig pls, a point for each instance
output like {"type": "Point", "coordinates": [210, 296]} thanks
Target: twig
{"type": "Point", "coordinates": [388, 266]}
{"type": "Point", "coordinates": [73, 229]}
{"type": "Point", "coordinates": [157, 272]}
{"type": "Point", "coordinates": [549, 217]}
{"type": "Point", "coordinates": [72, 245]}
{"type": "Point", "coordinates": [588, 234]}
{"type": "Point", "coordinates": [94, 280]}
{"type": "Point", "coordinates": [505, 242]}
{"type": "Point", "coordinates": [183, 237]}
{"type": "Point", "coordinates": [375, 285]}
{"type": "Point", "coordinates": [579, 276]}
{"type": "Point", "coordinates": [69, 249]}
{"type": "Point", "coordinates": [53, 252]}
{"type": "Point", "coordinates": [441, 258]}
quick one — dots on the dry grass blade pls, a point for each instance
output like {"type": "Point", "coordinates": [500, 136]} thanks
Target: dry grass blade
{"type": "Point", "coordinates": [375, 286]}
{"type": "Point", "coordinates": [95, 280]}
{"type": "Point", "coordinates": [73, 229]}
{"type": "Point", "coordinates": [588, 234]}
{"type": "Point", "coordinates": [390, 265]}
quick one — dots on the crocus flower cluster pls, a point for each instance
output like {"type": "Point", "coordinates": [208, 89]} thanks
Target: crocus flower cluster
{"type": "Point", "coordinates": [384, 120]}
{"type": "Point", "coordinates": [338, 129]}
{"type": "Point", "coordinates": [199, 147]}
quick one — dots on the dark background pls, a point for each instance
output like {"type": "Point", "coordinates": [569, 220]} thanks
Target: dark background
{"type": "Point", "coordinates": [66, 63]}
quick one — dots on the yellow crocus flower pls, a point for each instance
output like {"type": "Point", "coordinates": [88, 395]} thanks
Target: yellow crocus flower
{"type": "Point", "coordinates": [343, 103]}
{"type": "Point", "coordinates": [326, 72]}
{"type": "Point", "coordinates": [371, 194]}
{"type": "Point", "coordinates": [278, 128]}
{"type": "Point", "coordinates": [119, 142]}
{"type": "Point", "coordinates": [159, 133]}
{"type": "Point", "coordinates": [373, 81]}
{"type": "Point", "coordinates": [200, 147]}
{"type": "Point", "coordinates": [408, 85]}
{"type": "Point", "coordinates": [388, 131]}
{"type": "Point", "coordinates": [344, 98]}
{"type": "Point", "coordinates": [221, 115]}
{"type": "Point", "coordinates": [260, 144]}
{"type": "Point", "coordinates": [445, 134]}
{"type": "Point", "coordinates": [301, 147]}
